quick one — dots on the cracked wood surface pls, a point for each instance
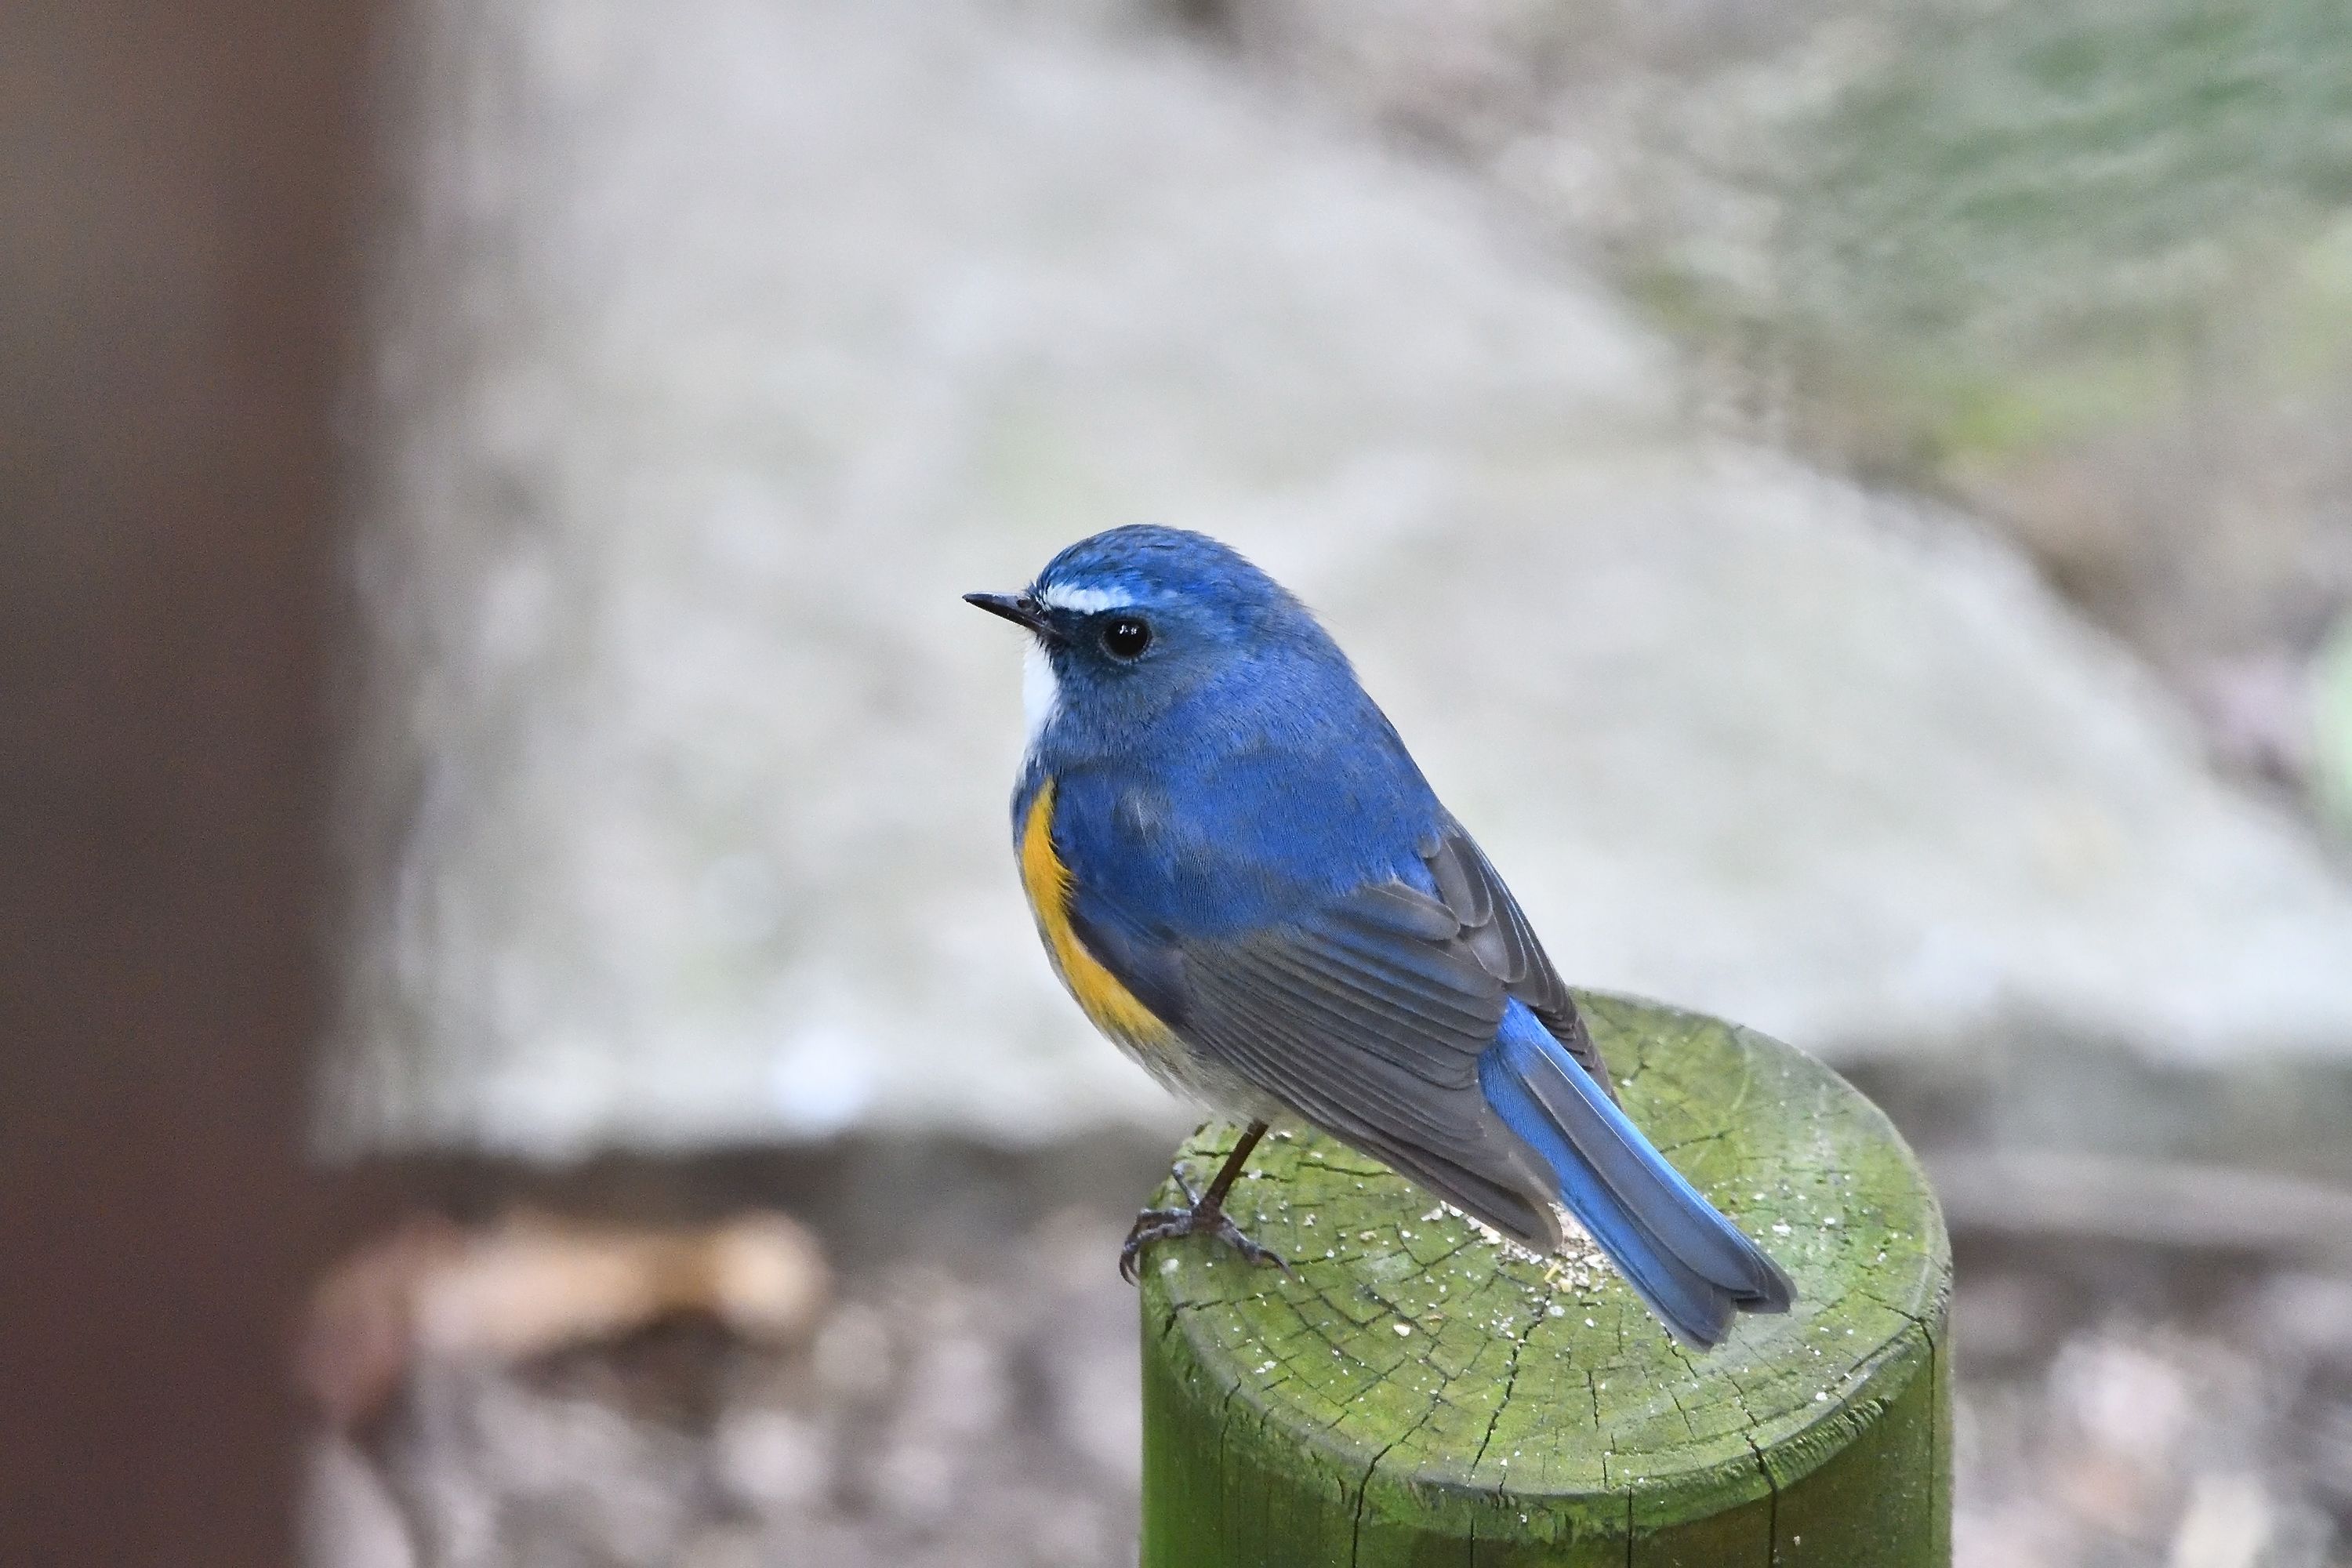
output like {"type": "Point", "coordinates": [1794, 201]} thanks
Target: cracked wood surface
{"type": "Point", "coordinates": [1418, 1393]}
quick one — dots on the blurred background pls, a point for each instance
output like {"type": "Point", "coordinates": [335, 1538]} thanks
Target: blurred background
{"type": "Point", "coordinates": [1850, 501]}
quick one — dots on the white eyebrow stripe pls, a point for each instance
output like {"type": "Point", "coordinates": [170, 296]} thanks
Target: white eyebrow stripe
{"type": "Point", "coordinates": [1084, 601]}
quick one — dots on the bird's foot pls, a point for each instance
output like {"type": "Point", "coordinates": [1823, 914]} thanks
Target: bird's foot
{"type": "Point", "coordinates": [1206, 1216]}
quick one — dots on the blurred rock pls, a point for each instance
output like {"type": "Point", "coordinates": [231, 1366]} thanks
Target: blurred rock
{"type": "Point", "coordinates": [721, 348]}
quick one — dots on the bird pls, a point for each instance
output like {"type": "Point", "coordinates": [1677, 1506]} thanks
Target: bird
{"type": "Point", "coordinates": [1241, 876]}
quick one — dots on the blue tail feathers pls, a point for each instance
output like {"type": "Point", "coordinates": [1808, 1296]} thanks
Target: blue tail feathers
{"type": "Point", "coordinates": [1693, 1268]}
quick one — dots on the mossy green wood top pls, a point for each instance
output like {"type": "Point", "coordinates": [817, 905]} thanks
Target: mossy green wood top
{"type": "Point", "coordinates": [1426, 1371]}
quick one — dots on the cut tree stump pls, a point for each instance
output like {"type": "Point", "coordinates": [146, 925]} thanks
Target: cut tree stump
{"type": "Point", "coordinates": [1418, 1393]}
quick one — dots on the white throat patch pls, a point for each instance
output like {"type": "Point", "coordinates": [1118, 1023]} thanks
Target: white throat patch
{"type": "Point", "coordinates": [1041, 694]}
{"type": "Point", "coordinates": [1084, 601]}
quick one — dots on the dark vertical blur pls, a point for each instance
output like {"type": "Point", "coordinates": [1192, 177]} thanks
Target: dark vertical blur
{"type": "Point", "coordinates": [174, 185]}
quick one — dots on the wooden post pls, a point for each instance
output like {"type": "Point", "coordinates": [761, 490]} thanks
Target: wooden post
{"type": "Point", "coordinates": [179, 179]}
{"type": "Point", "coordinates": [1418, 1393]}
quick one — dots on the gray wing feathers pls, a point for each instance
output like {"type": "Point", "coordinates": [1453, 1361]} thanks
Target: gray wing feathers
{"type": "Point", "coordinates": [1498, 935]}
{"type": "Point", "coordinates": [1370, 1016]}
{"type": "Point", "coordinates": [1417, 1114]}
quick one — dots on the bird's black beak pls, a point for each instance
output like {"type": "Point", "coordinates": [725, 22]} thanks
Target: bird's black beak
{"type": "Point", "coordinates": [1018, 608]}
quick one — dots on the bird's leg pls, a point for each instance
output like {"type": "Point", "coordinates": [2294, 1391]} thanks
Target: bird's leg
{"type": "Point", "coordinates": [1206, 1216]}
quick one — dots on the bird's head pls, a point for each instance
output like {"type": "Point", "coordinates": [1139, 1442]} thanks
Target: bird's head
{"type": "Point", "coordinates": [1130, 621]}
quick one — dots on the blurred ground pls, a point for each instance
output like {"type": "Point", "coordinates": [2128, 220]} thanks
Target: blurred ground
{"type": "Point", "coordinates": [971, 1397]}
{"type": "Point", "coordinates": [2127, 1406]}
{"type": "Point", "coordinates": [972, 1400]}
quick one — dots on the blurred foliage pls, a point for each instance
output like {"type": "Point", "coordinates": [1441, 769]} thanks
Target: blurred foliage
{"type": "Point", "coordinates": [2084, 266]}
{"type": "Point", "coordinates": [2054, 216]}
{"type": "Point", "coordinates": [1962, 187]}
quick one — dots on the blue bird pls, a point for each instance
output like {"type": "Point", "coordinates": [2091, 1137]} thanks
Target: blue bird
{"type": "Point", "coordinates": [1241, 876]}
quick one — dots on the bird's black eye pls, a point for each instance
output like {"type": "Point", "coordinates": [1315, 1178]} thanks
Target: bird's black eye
{"type": "Point", "coordinates": [1124, 636]}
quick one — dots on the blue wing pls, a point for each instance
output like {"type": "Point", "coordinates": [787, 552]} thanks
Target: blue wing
{"type": "Point", "coordinates": [1416, 1017]}
{"type": "Point", "coordinates": [1367, 1011]}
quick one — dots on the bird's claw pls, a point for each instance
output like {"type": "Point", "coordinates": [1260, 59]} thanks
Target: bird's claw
{"type": "Point", "coordinates": [1200, 1219]}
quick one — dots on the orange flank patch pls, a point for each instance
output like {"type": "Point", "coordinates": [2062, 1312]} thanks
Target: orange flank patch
{"type": "Point", "coordinates": [1111, 1005]}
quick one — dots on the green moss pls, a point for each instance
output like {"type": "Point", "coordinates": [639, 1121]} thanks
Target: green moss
{"type": "Point", "coordinates": [1416, 1392]}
